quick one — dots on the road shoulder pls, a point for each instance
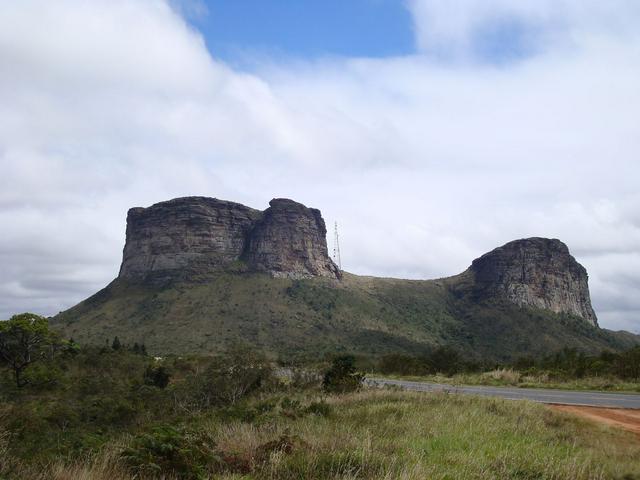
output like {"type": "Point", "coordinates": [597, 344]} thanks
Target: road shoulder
{"type": "Point", "coordinates": [626, 418]}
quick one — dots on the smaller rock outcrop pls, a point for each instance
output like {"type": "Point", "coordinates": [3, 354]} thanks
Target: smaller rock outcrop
{"type": "Point", "coordinates": [290, 240]}
{"type": "Point", "coordinates": [536, 272]}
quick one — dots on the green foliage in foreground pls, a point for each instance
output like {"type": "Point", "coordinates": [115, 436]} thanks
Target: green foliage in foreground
{"type": "Point", "coordinates": [93, 395]}
{"type": "Point", "coordinates": [115, 414]}
{"type": "Point", "coordinates": [368, 435]}
{"type": "Point", "coordinates": [168, 449]}
{"type": "Point", "coordinates": [24, 340]}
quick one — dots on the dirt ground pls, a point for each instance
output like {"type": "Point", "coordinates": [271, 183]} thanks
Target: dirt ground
{"type": "Point", "coordinates": [629, 419]}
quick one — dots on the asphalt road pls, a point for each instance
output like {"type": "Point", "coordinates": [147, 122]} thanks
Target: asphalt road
{"type": "Point", "coordinates": [565, 397]}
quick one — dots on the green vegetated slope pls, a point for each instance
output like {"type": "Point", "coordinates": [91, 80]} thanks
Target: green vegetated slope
{"type": "Point", "coordinates": [312, 317]}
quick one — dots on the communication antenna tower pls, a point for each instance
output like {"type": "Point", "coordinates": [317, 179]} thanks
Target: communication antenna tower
{"type": "Point", "coordinates": [336, 247]}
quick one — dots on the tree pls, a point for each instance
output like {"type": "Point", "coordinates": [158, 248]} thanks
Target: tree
{"type": "Point", "coordinates": [342, 376]}
{"type": "Point", "coordinates": [444, 359]}
{"type": "Point", "coordinates": [116, 345]}
{"type": "Point", "coordinates": [24, 340]}
{"type": "Point", "coordinates": [628, 364]}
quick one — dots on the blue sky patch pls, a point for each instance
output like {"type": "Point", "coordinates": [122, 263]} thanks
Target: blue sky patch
{"type": "Point", "coordinates": [306, 29]}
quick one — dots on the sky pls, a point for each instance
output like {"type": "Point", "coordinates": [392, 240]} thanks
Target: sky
{"type": "Point", "coordinates": [431, 131]}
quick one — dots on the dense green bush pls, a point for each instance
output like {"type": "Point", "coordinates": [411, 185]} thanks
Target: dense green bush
{"type": "Point", "coordinates": [174, 451]}
{"type": "Point", "coordinates": [157, 376]}
{"type": "Point", "coordinates": [564, 365]}
{"type": "Point", "coordinates": [442, 359]}
{"type": "Point", "coordinates": [84, 397]}
{"type": "Point", "coordinates": [321, 408]}
{"type": "Point", "coordinates": [570, 363]}
{"type": "Point", "coordinates": [342, 376]}
{"type": "Point", "coordinates": [402, 365]}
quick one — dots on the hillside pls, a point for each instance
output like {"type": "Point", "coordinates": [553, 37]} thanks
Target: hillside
{"type": "Point", "coordinates": [312, 316]}
{"type": "Point", "coordinates": [199, 274]}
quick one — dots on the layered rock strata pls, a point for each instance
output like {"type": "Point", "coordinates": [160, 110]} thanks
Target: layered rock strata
{"type": "Point", "coordinates": [290, 240]}
{"type": "Point", "coordinates": [198, 235]}
{"type": "Point", "coordinates": [195, 236]}
{"type": "Point", "coordinates": [536, 272]}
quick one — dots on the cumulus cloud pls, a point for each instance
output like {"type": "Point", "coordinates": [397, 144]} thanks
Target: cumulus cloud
{"type": "Point", "coordinates": [426, 161]}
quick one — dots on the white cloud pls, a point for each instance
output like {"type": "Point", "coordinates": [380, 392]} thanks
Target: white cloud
{"type": "Point", "coordinates": [111, 104]}
{"type": "Point", "coordinates": [468, 29]}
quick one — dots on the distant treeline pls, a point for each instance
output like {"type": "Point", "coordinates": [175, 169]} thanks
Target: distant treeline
{"type": "Point", "coordinates": [565, 364]}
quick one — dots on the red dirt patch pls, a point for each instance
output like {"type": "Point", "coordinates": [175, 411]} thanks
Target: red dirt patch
{"type": "Point", "coordinates": [629, 419]}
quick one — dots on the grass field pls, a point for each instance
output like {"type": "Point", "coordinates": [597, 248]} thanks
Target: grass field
{"type": "Point", "coordinates": [387, 435]}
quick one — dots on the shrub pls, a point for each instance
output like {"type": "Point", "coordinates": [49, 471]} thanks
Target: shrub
{"type": "Point", "coordinates": [445, 359]}
{"type": "Point", "coordinates": [42, 376]}
{"type": "Point", "coordinates": [225, 381]}
{"type": "Point", "coordinates": [290, 407]}
{"type": "Point", "coordinates": [109, 411]}
{"type": "Point", "coordinates": [285, 444]}
{"type": "Point", "coordinates": [342, 376]}
{"type": "Point", "coordinates": [171, 451]}
{"type": "Point", "coordinates": [402, 365]}
{"type": "Point", "coordinates": [241, 412]}
{"type": "Point", "coordinates": [320, 408]}
{"type": "Point", "coordinates": [156, 376]}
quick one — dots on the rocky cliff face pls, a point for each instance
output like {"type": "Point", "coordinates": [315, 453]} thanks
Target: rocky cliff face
{"type": "Point", "coordinates": [186, 235]}
{"type": "Point", "coordinates": [537, 272]}
{"type": "Point", "coordinates": [290, 240]}
{"type": "Point", "coordinates": [198, 235]}
{"type": "Point", "coordinates": [195, 236]}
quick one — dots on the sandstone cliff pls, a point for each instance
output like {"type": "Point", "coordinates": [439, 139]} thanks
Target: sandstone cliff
{"type": "Point", "coordinates": [198, 235]}
{"type": "Point", "coordinates": [290, 240]}
{"type": "Point", "coordinates": [194, 236]}
{"type": "Point", "coordinates": [536, 272]}
{"type": "Point", "coordinates": [179, 306]}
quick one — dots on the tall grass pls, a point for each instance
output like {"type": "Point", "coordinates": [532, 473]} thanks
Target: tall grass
{"type": "Point", "coordinates": [5, 466]}
{"type": "Point", "coordinates": [504, 375]}
{"type": "Point", "coordinates": [404, 435]}
{"type": "Point", "coordinates": [104, 466]}
{"type": "Point", "coordinates": [509, 377]}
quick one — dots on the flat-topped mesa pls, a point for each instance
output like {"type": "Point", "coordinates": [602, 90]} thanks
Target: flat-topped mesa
{"type": "Point", "coordinates": [184, 236]}
{"type": "Point", "coordinates": [290, 240]}
{"type": "Point", "coordinates": [536, 272]}
{"type": "Point", "coordinates": [190, 236]}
